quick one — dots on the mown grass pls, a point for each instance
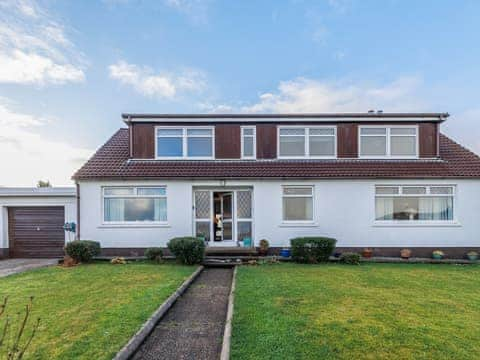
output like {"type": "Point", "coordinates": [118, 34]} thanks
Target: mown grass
{"type": "Point", "coordinates": [90, 311]}
{"type": "Point", "coordinates": [372, 311]}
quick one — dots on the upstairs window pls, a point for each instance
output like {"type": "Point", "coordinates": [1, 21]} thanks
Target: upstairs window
{"type": "Point", "coordinates": [184, 143]}
{"type": "Point", "coordinates": [311, 142]}
{"type": "Point", "coordinates": [393, 142]}
{"type": "Point", "coordinates": [248, 142]}
{"type": "Point", "coordinates": [414, 203]}
{"type": "Point", "coordinates": [134, 204]}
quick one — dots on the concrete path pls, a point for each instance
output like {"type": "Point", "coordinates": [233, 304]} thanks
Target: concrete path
{"type": "Point", "coordinates": [14, 266]}
{"type": "Point", "coordinates": [193, 328]}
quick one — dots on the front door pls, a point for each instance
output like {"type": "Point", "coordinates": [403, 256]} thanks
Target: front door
{"type": "Point", "coordinates": [224, 217]}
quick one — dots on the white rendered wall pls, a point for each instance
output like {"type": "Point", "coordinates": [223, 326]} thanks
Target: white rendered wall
{"type": "Point", "coordinates": [343, 209]}
{"type": "Point", "coordinates": [69, 204]}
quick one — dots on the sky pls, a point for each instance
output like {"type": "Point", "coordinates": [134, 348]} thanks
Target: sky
{"type": "Point", "coordinates": [68, 69]}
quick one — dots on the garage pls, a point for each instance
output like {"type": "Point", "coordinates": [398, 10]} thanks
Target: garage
{"type": "Point", "coordinates": [32, 221]}
{"type": "Point", "coordinates": [36, 232]}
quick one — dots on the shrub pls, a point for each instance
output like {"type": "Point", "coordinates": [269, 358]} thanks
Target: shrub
{"type": "Point", "coordinates": [188, 250]}
{"type": "Point", "coordinates": [82, 250]}
{"type": "Point", "coordinates": [312, 249]}
{"type": "Point", "coordinates": [154, 253]}
{"type": "Point", "coordinates": [350, 258]}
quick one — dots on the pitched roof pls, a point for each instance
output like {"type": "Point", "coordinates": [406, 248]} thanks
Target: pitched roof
{"type": "Point", "coordinates": [111, 161]}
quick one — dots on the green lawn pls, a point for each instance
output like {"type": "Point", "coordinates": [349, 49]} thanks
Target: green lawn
{"type": "Point", "coordinates": [90, 311]}
{"type": "Point", "coordinates": [371, 311]}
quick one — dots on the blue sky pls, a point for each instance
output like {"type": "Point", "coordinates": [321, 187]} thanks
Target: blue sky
{"type": "Point", "coordinates": [68, 69]}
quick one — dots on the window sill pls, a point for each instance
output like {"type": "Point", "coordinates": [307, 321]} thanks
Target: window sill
{"type": "Point", "coordinates": [298, 224]}
{"type": "Point", "coordinates": [132, 225]}
{"type": "Point", "coordinates": [416, 224]}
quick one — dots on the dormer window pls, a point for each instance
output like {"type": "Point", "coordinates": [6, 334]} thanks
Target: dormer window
{"type": "Point", "coordinates": [184, 143]}
{"type": "Point", "coordinates": [388, 142]}
{"type": "Point", "coordinates": [314, 142]}
{"type": "Point", "coordinates": [248, 142]}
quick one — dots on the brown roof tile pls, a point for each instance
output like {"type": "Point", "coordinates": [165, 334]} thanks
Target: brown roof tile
{"type": "Point", "coordinates": [112, 161]}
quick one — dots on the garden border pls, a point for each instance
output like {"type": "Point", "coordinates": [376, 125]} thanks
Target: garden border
{"type": "Point", "coordinates": [227, 334]}
{"type": "Point", "coordinates": [136, 340]}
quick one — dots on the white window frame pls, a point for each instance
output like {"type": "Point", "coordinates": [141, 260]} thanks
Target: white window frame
{"type": "Point", "coordinates": [312, 196]}
{"type": "Point", "coordinates": [388, 135]}
{"type": "Point", "coordinates": [185, 142]}
{"type": "Point", "coordinates": [306, 153]}
{"type": "Point", "coordinates": [134, 195]}
{"type": "Point", "coordinates": [410, 223]}
{"type": "Point", "coordinates": [254, 136]}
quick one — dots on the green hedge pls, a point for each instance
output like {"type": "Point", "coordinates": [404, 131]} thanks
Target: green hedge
{"type": "Point", "coordinates": [82, 250]}
{"type": "Point", "coordinates": [188, 250]}
{"type": "Point", "coordinates": [154, 253]}
{"type": "Point", "coordinates": [312, 249]}
{"type": "Point", "coordinates": [350, 258]}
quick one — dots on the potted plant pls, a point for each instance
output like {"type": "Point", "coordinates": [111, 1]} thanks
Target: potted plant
{"type": "Point", "coordinates": [438, 254]}
{"type": "Point", "coordinates": [472, 255]}
{"type": "Point", "coordinates": [405, 253]}
{"type": "Point", "coordinates": [263, 247]}
{"type": "Point", "coordinates": [367, 253]}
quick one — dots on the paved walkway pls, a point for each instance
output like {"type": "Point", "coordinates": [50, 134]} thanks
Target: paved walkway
{"type": "Point", "coordinates": [193, 328]}
{"type": "Point", "coordinates": [14, 266]}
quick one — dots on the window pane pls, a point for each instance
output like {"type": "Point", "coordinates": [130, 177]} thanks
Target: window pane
{"type": "Point", "coordinates": [322, 131]}
{"type": "Point", "coordinates": [297, 190]}
{"type": "Point", "coordinates": [201, 146]}
{"type": "Point", "coordinates": [373, 131]}
{"type": "Point", "coordinates": [135, 209]}
{"type": "Point", "coordinates": [403, 131]}
{"type": "Point", "coordinates": [403, 145]}
{"type": "Point", "coordinates": [247, 131]}
{"type": "Point", "coordinates": [384, 208]}
{"type": "Point", "coordinates": [373, 145]}
{"type": "Point", "coordinates": [297, 209]}
{"type": "Point", "coordinates": [170, 132]}
{"type": "Point", "coordinates": [202, 229]}
{"type": "Point", "coordinates": [293, 131]}
{"type": "Point", "coordinates": [417, 190]}
{"type": "Point", "coordinates": [405, 208]}
{"type": "Point", "coordinates": [441, 190]}
{"type": "Point", "coordinates": [248, 146]}
{"type": "Point", "coordinates": [169, 147]}
{"type": "Point", "coordinates": [202, 204]}
{"type": "Point", "coordinates": [119, 191]}
{"type": "Point", "coordinates": [244, 230]}
{"type": "Point", "coordinates": [202, 132]}
{"type": "Point", "coordinates": [386, 190]}
{"type": "Point", "coordinates": [436, 208]}
{"type": "Point", "coordinates": [292, 146]}
{"type": "Point", "coordinates": [322, 146]}
{"type": "Point", "coordinates": [244, 204]}
{"type": "Point", "coordinates": [161, 191]}
{"type": "Point", "coordinates": [114, 209]}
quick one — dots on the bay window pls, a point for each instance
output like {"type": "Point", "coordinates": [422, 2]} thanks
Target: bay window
{"type": "Point", "coordinates": [297, 203]}
{"type": "Point", "coordinates": [184, 143]}
{"type": "Point", "coordinates": [393, 141]}
{"type": "Point", "coordinates": [307, 142]}
{"type": "Point", "coordinates": [134, 204]}
{"type": "Point", "coordinates": [414, 203]}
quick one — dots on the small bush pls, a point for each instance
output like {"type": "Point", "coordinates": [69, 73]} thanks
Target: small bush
{"type": "Point", "coordinates": [188, 250]}
{"type": "Point", "coordinates": [82, 250]}
{"type": "Point", "coordinates": [154, 253]}
{"type": "Point", "coordinates": [350, 258]}
{"type": "Point", "coordinates": [312, 249]}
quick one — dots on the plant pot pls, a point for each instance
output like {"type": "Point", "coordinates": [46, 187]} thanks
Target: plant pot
{"type": "Point", "coordinates": [367, 253]}
{"type": "Point", "coordinates": [437, 256]}
{"type": "Point", "coordinates": [285, 253]}
{"type": "Point", "coordinates": [405, 254]}
{"type": "Point", "coordinates": [262, 252]}
{"type": "Point", "coordinates": [472, 257]}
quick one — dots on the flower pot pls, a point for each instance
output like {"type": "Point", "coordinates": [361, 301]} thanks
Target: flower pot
{"type": "Point", "coordinates": [285, 253]}
{"type": "Point", "coordinates": [472, 257]}
{"type": "Point", "coordinates": [262, 252]}
{"type": "Point", "coordinates": [437, 256]}
{"type": "Point", "coordinates": [405, 253]}
{"type": "Point", "coordinates": [367, 253]}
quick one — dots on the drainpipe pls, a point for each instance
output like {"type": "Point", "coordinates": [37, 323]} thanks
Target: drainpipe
{"type": "Point", "coordinates": [77, 235]}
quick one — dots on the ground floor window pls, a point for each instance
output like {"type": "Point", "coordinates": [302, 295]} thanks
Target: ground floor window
{"type": "Point", "coordinates": [414, 203]}
{"type": "Point", "coordinates": [134, 204]}
{"type": "Point", "coordinates": [297, 203]}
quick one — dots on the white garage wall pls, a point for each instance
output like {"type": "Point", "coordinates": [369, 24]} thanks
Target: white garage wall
{"type": "Point", "coordinates": [344, 209]}
{"type": "Point", "coordinates": [69, 203]}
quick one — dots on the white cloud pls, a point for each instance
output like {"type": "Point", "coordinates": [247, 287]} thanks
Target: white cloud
{"type": "Point", "coordinates": [160, 85]}
{"type": "Point", "coordinates": [28, 157]}
{"type": "Point", "coordinates": [309, 95]}
{"type": "Point", "coordinates": [34, 48]}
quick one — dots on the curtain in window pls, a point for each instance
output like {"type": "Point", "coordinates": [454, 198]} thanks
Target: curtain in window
{"type": "Point", "coordinates": [435, 208]}
{"type": "Point", "coordinates": [114, 210]}
{"type": "Point", "coordinates": [160, 210]}
{"type": "Point", "coordinates": [384, 208]}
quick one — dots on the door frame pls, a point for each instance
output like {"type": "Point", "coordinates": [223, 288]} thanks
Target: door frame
{"type": "Point", "coordinates": [235, 218]}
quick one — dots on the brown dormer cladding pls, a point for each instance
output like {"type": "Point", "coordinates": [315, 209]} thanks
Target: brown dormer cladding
{"type": "Point", "coordinates": [228, 138]}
